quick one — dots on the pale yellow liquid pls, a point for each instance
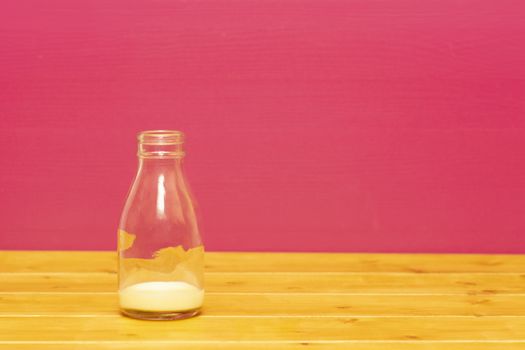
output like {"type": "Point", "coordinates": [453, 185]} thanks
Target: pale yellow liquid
{"type": "Point", "coordinates": [161, 296]}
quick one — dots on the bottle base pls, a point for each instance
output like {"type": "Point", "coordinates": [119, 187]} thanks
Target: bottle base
{"type": "Point", "coordinates": [160, 315]}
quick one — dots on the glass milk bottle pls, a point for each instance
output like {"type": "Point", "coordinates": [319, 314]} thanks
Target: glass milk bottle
{"type": "Point", "coordinates": [160, 250]}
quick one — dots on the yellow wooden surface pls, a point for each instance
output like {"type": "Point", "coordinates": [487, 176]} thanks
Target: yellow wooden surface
{"type": "Point", "coordinates": [68, 300]}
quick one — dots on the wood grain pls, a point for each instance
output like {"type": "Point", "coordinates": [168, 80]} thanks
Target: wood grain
{"type": "Point", "coordinates": [68, 300]}
{"type": "Point", "coordinates": [105, 261]}
{"type": "Point", "coordinates": [247, 328]}
{"type": "Point", "coordinates": [58, 261]}
{"type": "Point", "coordinates": [277, 282]}
{"type": "Point", "coordinates": [286, 304]}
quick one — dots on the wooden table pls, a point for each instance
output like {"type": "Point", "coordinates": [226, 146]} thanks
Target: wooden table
{"type": "Point", "coordinates": [67, 300]}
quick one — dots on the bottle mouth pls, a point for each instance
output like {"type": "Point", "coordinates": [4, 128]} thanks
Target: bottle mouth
{"type": "Point", "coordinates": [161, 137]}
{"type": "Point", "coordinates": [160, 144]}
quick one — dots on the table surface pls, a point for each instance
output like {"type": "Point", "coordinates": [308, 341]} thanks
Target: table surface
{"type": "Point", "coordinates": [67, 300]}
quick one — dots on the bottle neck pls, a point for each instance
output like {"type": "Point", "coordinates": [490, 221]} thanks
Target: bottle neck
{"type": "Point", "coordinates": [160, 164]}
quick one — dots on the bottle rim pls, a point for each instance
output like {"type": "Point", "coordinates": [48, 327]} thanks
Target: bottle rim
{"type": "Point", "coordinates": [160, 137]}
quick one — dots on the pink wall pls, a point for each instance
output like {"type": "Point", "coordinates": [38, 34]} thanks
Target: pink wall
{"type": "Point", "coordinates": [312, 125]}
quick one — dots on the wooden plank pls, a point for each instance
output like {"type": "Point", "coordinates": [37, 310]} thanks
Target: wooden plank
{"type": "Point", "coordinates": [282, 345]}
{"type": "Point", "coordinates": [352, 283]}
{"type": "Point", "coordinates": [351, 262]}
{"type": "Point", "coordinates": [58, 261]}
{"type": "Point", "coordinates": [104, 261]}
{"type": "Point", "coordinates": [406, 309]}
{"type": "Point", "coordinates": [82, 305]}
{"type": "Point", "coordinates": [264, 329]}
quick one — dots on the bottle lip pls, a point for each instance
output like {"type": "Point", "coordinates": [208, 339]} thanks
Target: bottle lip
{"type": "Point", "coordinates": [160, 137]}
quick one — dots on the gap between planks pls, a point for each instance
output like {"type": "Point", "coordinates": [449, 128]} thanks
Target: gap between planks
{"type": "Point", "coordinates": [117, 315]}
{"type": "Point", "coordinates": [480, 294]}
{"type": "Point", "coordinates": [465, 341]}
{"type": "Point", "coordinates": [267, 273]}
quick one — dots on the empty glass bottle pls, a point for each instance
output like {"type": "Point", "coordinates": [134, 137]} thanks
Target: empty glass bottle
{"type": "Point", "coordinates": [160, 250]}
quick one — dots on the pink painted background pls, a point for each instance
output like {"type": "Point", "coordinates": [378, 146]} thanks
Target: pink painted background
{"type": "Point", "coordinates": [349, 125]}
